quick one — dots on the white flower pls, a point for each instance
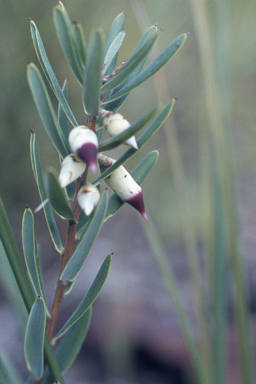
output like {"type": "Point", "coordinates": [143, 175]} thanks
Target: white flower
{"type": "Point", "coordinates": [123, 184]}
{"type": "Point", "coordinates": [84, 143]}
{"type": "Point", "coordinates": [71, 169]}
{"type": "Point", "coordinates": [88, 198]}
{"type": "Point", "coordinates": [115, 123]}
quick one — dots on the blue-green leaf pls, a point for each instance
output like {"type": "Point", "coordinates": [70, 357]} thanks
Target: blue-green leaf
{"type": "Point", "coordinates": [132, 63]}
{"type": "Point", "coordinates": [57, 196]}
{"type": "Point", "coordinates": [139, 173]}
{"type": "Point", "coordinates": [45, 109]}
{"type": "Point", "coordinates": [34, 338]}
{"type": "Point", "coordinates": [79, 40]}
{"type": "Point", "coordinates": [90, 296]}
{"type": "Point", "coordinates": [62, 117]}
{"type": "Point", "coordinates": [113, 50]}
{"type": "Point", "coordinates": [152, 68]}
{"type": "Point", "coordinates": [48, 71]}
{"type": "Point", "coordinates": [65, 35]}
{"type": "Point", "coordinates": [84, 246]}
{"type": "Point", "coordinates": [70, 345]}
{"type": "Point", "coordinates": [138, 124]}
{"type": "Point", "coordinates": [116, 27]}
{"type": "Point", "coordinates": [36, 165]}
{"type": "Point", "coordinates": [31, 254]}
{"type": "Point", "coordinates": [92, 78]}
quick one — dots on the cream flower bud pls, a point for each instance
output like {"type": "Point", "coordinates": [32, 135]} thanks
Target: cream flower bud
{"type": "Point", "coordinates": [115, 123]}
{"type": "Point", "coordinates": [71, 169]}
{"type": "Point", "coordinates": [83, 141]}
{"type": "Point", "coordinates": [123, 184]}
{"type": "Point", "coordinates": [88, 198]}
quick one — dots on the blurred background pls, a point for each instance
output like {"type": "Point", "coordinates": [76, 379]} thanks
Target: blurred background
{"type": "Point", "coordinates": [135, 335]}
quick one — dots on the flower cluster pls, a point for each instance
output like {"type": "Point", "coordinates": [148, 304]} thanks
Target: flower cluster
{"type": "Point", "coordinates": [84, 145]}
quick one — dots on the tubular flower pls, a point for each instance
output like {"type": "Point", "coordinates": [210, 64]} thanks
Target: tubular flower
{"type": "Point", "coordinates": [84, 143]}
{"type": "Point", "coordinates": [88, 197]}
{"type": "Point", "coordinates": [122, 183]}
{"type": "Point", "coordinates": [71, 169]}
{"type": "Point", "coordinates": [115, 123]}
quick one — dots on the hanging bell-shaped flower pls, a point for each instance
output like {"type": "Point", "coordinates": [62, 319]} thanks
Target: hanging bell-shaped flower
{"type": "Point", "coordinates": [71, 168]}
{"type": "Point", "coordinates": [84, 143]}
{"type": "Point", "coordinates": [88, 198]}
{"type": "Point", "coordinates": [123, 184]}
{"type": "Point", "coordinates": [115, 123]}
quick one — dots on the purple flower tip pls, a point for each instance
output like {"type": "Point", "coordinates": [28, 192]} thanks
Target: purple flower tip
{"type": "Point", "coordinates": [138, 203]}
{"type": "Point", "coordinates": [88, 153]}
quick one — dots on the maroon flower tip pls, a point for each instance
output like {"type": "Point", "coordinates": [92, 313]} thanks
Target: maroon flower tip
{"type": "Point", "coordinates": [138, 203]}
{"type": "Point", "coordinates": [88, 153]}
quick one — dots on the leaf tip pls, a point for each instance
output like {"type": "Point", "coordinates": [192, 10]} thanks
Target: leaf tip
{"type": "Point", "coordinates": [32, 131]}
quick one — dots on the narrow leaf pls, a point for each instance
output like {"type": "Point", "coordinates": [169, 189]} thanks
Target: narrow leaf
{"type": "Point", "coordinates": [90, 296]}
{"type": "Point", "coordinates": [30, 248]}
{"type": "Point", "coordinates": [36, 165]}
{"type": "Point", "coordinates": [84, 246]}
{"type": "Point", "coordinates": [65, 35]}
{"type": "Point", "coordinates": [139, 173]}
{"type": "Point", "coordinates": [45, 109]}
{"type": "Point", "coordinates": [131, 64]}
{"type": "Point", "coordinates": [70, 345]}
{"type": "Point", "coordinates": [116, 27]}
{"type": "Point", "coordinates": [31, 254]}
{"type": "Point", "coordinates": [48, 71]}
{"type": "Point", "coordinates": [15, 260]}
{"type": "Point", "coordinates": [115, 141]}
{"type": "Point", "coordinates": [34, 338]}
{"type": "Point", "coordinates": [113, 50]}
{"type": "Point", "coordinates": [62, 117]}
{"type": "Point", "coordinates": [80, 44]}
{"type": "Point", "coordinates": [152, 68]}
{"type": "Point", "coordinates": [92, 78]}
{"type": "Point", "coordinates": [57, 196]}
{"type": "Point", "coordinates": [142, 139]}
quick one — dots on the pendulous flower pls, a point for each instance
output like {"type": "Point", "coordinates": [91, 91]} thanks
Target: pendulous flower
{"type": "Point", "coordinates": [88, 198]}
{"type": "Point", "coordinates": [71, 168]}
{"type": "Point", "coordinates": [84, 143]}
{"type": "Point", "coordinates": [122, 183]}
{"type": "Point", "coordinates": [115, 123]}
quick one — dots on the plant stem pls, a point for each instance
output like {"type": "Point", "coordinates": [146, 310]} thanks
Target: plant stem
{"type": "Point", "coordinates": [68, 250]}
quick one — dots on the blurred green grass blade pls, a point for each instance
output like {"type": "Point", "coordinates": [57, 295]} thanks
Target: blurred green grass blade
{"type": "Point", "coordinates": [89, 297]}
{"type": "Point", "coordinates": [116, 27]}
{"type": "Point", "coordinates": [34, 338]}
{"type": "Point", "coordinates": [80, 44]}
{"type": "Point", "coordinates": [31, 255]}
{"type": "Point", "coordinates": [115, 141]}
{"type": "Point", "coordinates": [8, 374]}
{"type": "Point", "coordinates": [84, 246]}
{"type": "Point", "coordinates": [64, 31]}
{"type": "Point", "coordinates": [156, 245]}
{"type": "Point", "coordinates": [152, 68]}
{"type": "Point", "coordinates": [113, 50]}
{"type": "Point", "coordinates": [15, 259]}
{"type": "Point", "coordinates": [57, 196]}
{"type": "Point", "coordinates": [139, 173]}
{"type": "Point", "coordinates": [62, 117]}
{"type": "Point", "coordinates": [131, 65]}
{"type": "Point", "coordinates": [36, 165]}
{"type": "Point", "coordinates": [45, 109]}
{"type": "Point", "coordinates": [48, 71]}
{"type": "Point", "coordinates": [71, 344]}
{"type": "Point", "coordinates": [92, 77]}
{"type": "Point", "coordinates": [141, 141]}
